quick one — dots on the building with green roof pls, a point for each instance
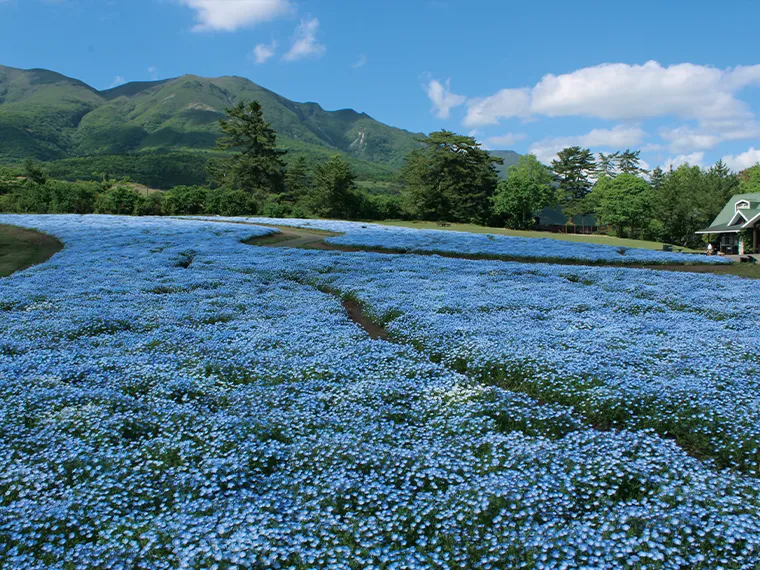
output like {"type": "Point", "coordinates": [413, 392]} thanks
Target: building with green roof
{"type": "Point", "coordinates": [736, 227]}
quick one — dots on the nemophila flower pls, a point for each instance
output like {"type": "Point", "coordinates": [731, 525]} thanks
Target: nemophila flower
{"type": "Point", "coordinates": [226, 413]}
{"type": "Point", "coordinates": [467, 243]}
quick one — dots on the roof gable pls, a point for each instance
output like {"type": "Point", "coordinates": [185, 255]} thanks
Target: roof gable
{"type": "Point", "coordinates": [726, 215]}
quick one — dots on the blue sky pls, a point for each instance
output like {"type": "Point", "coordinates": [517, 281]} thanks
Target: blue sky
{"type": "Point", "coordinates": [678, 79]}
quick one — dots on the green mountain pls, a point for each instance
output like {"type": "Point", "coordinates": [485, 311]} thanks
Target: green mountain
{"type": "Point", "coordinates": [510, 158]}
{"type": "Point", "coordinates": [162, 132]}
{"type": "Point", "coordinates": [40, 111]}
{"type": "Point", "coordinates": [48, 116]}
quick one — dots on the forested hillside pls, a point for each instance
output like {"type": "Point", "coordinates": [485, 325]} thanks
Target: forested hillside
{"type": "Point", "coordinates": [161, 133]}
{"type": "Point", "coordinates": [48, 116]}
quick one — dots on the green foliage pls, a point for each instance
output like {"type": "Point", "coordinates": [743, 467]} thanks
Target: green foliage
{"type": "Point", "coordinates": [450, 178]}
{"type": "Point", "coordinates": [688, 200]}
{"type": "Point", "coordinates": [274, 207]}
{"type": "Point", "coordinates": [185, 201]}
{"type": "Point", "coordinates": [383, 207]}
{"type": "Point", "coordinates": [257, 164]}
{"type": "Point", "coordinates": [607, 165]}
{"type": "Point", "coordinates": [749, 179]}
{"type": "Point", "coordinates": [526, 191]}
{"type": "Point", "coordinates": [226, 202]}
{"type": "Point", "coordinates": [34, 172]}
{"type": "Point", "coordinates": [52, 197]}
{"type": "Point", "coordinates": [573, 167]}
{"type": "Point", "coordinates": [73, 198]}
{"type": "Point", "coordinates": [297, 180]}
{"type": "Point", "coordinates": [9, 180]}
{"type": "Point", "coordinates": [655, 180]}
{"type": "Point", "coordinates": [157, 170]}
{"type": "Point", "coordinates": [119, 200]}
{"type": "Point", "coordinates": [150, 205]}
{"type": "Point", "coordinates": [333, 193]}
{"type": "Point", "coordinates": [47, 116]}
{"type": "Point", "coordinates": [628, 162]}
{"type": "Point", "coordinates": [623, 202]}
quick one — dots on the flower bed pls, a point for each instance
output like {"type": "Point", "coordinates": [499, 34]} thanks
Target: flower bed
{"type": "Point", "coordinates": [172, 398]}
{"type": "Point", "coordinates": [365, 235]}
{"type": "Point", "coordinates": [677, 352]}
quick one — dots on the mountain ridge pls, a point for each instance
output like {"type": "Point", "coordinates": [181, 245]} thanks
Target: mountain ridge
{"type": "Point", "coordinates": [55, 116]}
{"type": "Point", "coordinates": [52, 117]}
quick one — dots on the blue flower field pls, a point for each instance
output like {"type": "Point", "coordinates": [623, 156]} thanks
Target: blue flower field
{"type": "Point", "coordinates": [174, 398]}
{"type": "Point", "coordinates": [367, 235]}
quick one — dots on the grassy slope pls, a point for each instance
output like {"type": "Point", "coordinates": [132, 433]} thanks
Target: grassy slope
{"type": "Point", "coordinates": [40, 111]}
{"type": "Point", "coordinates": [599, 239]}
{"type": "Point", "coordinates": [21, 248]}
{"type": "Point", "coordinates": [183, 113]}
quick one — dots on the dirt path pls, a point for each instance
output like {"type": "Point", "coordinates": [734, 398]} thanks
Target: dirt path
{"type": "Point", "coordinates": [357, 314]}
{"type": "Point", "coordinates": [292, 238]}
{"type": "Point", "coordinates": [302, 238]}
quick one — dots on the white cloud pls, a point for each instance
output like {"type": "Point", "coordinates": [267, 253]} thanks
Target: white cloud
{"type": "Point", "coordinates": [118, 80]}
{"type": "Point", "coordinates": [743, 160]}
{"type": "Point", "coordinates": [693, 159]}
{"type": "Point", "coordinates": [621, 91]}
{"type": "Point", "coordinates": [710, 133]}
{"type": "Point", "coordinates": [263, 52]}
{"type": "Point", "coordinates": [618, 137]}
{"type": "Point", "coordinates": [153, 70]}
{"type": "Point", "coordinates": [305, 41]}
{"type": "Point", "coordinates": [361, 61]}
{"type": "Point", "coordinates": [505, 140]}
{"type": "Point", "coordinates": [231, 15]}
{"type": "Point", "coordinates": [684, 138]}
{"type": "Point", "coordinates": [442, 97]}
{"type": "Point", "coordinates": [504, 104]}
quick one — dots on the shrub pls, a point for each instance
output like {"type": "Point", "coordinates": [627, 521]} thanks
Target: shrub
{"type": "Point", "coordinates": [72, 197]}
{"type": "Point", "coordinates": [151, 205]}
{"type": "Point", "coordinates": [119, 200]}
{"type": "Point", "coordinates": [227, 202]}
{"type": "Point", "coordinates": [185, 201]}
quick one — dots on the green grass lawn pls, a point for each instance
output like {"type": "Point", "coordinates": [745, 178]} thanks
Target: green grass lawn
{"type": "Point", "coordinates": [21, 248]}
{"type": "Point", "coordinates": [600, 239]}
{"type": "Point", "coordinates": [746, 270]}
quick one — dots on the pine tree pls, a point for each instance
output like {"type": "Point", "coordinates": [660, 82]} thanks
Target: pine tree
{"type": "Point", "coordinates": [333, 192]}
{"type": "Point", "coordinates": [296, 180]}
{"type": "Point", "coordinates": [656, 179]}
{"type": "Point", "coordinates": [257, 166]}
{"type": "Point", "coordinates": [573, 167]}
{"type": "Point", "coordinates": [607, 165]}
{"type": "Point", "coordinates": [450, 178]}
{"type": "Point", "coordinates": [720, 169]}
{"type": "Point", "coordinates": [628, 163]}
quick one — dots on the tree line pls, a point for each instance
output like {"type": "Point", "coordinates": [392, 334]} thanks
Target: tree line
{"type": "Point", "coordinates": [452, 179]}
{"type": "Point", "coordinates": [667, 206]}
{"type": "Point", "coordinates": [449, 177]}
{"type": "Point", "coordinates": [251, 178]}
